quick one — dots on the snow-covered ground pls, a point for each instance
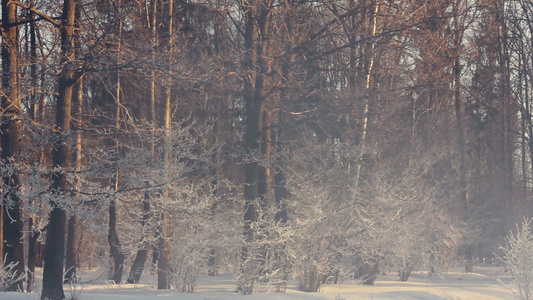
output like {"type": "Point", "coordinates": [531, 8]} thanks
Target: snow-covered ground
{"type": "Point", "coordinates": [487, 282]}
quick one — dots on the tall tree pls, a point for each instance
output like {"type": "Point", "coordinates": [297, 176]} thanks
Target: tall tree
{"type": "Point", "coordinates": [12, 246]}
{"type": "Point", "coordinates": [115, 249]}
{"type": "Point", "coordinates": [74, 231]}
{"type": "Point", "coordinates": [256, 17]}
{"type": "Point", "coordinates": [163, 266]}
{"type": "Point", "coordinates": [55, 238]}
{"type": "Point", "coordinates": [458, 26]}
{"type": "Point", "coordinates": [140, 258]}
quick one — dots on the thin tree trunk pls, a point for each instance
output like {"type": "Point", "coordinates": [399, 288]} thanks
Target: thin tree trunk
{"type": "Point", "coordinates": [12, 249]}
{"type": "Point", "coordinates": [211, 263]}
{"type": "Point", "coordinates": [252, 129]}
{"type": "Point", "coordinates": [368, 85]}
{"type": "Point", "coordinates": [163, 266]}
{"type": "Point", "coordinates": [117, 257]}
{"type": "Point", "coordinates": [509, 118]}
{"type": "Point", "coordinates": [32, 239]}
{"type": "Point", "coordinates": [73, 236]}
{"type": "Point", "coordinates": [458, 34]}
{"type": "Point", "coordinates": [140, 258]}
{"type": "Point", "coordinates": [281, 194]}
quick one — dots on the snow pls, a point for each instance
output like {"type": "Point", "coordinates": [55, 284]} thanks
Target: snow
{"type": "Point", "coordinates": [486, 283]}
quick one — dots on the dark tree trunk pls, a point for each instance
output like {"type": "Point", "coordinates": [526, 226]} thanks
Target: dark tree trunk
{"type": "Point", "coordinates": [138, 266]}
{"type": "Point", "coordinates": [12, 249]}
{"type": "Point", "coordinates": [280, 190]}
{"type": "Point", "coordinates": [281, 194]}
{"type": "Point", "coordinates": [55, 238]}
{"type": "Point", "coordinates": [254, 94]}
{"type": "Point", "coordinates": [71, 253]}
{"type": "Point", "coordinates": [140, 259]}
{"type": "Point", "coordinates": [459, 126]}
{"type": "Point", "coordinates": [117, 257]}
{"type": "Point", "coordinates": [404, 275]}
{"type": "Point", "coordinates": [370, 273]}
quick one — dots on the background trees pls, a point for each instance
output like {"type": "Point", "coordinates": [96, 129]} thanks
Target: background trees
{"type": "Point", "coordinates": [263, 138]}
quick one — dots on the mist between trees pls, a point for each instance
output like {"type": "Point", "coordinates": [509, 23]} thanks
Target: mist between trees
{"type": "Point", "coordinates": [268, 139]}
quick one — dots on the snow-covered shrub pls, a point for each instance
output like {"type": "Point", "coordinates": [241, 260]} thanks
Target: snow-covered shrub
{"type": "Point", "coordinates": [518, 257]}
{"type": "Point", "coordinates": [267, 255]}
{"type": "Point", "coordinates": [325, 219]}
{"type": "Point", "coordinates": [196, 237]}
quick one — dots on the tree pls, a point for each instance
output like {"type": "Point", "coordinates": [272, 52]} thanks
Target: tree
{"type": "Point", "coordinates": [74, 231]}
{"type": "Point", "coordinates": [55, 237]}
{"type": "Point", "coordinates": [517, 256]}
{"type": "Point", "coordinates": [11, 220]}
{"type": "Point", "coordinates": [163, 267]}
{"type": "Point", "coordinates": [256, 19]}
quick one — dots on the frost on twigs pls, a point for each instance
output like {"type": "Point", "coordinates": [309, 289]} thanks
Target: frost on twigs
{"type": "Point", "coordinates": [518, 257]}
{"type": "Point", "coordinates": [9, 276]}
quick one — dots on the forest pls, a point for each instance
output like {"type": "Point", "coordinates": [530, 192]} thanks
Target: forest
{"type": "Point", "coordinates": [268, 139]}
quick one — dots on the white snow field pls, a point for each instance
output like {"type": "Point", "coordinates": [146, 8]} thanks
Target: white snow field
{"type": "Point", "coordinates": [486, 283]}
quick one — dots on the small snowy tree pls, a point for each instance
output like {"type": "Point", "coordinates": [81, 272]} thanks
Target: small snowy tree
{"type": "Point", "coordinates": [518, 257]}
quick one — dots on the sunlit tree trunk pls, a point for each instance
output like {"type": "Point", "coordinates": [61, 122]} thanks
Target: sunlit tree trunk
{"type": "Point", "coordinates": [368, 94]}
{"type": "Point", "coordinates": [12, 248]}
{"type": "Point", "coordinates": [73, 235]}
{"type": "Point", "coordinates": [163, 266]}
{"type": "Point", "coordinates": [35, 113]}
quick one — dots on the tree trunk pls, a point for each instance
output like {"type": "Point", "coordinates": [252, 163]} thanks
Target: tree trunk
{"type": "Point", "coordinates": [252, 130]}
{"type": "Point", "coordinates": [369, 92]}
{"type": "Point", "coordinates": [32, 257]}
{"type": "Point", "coordinates": [70, 256]}
{"type": "Point", "coordinates": [211, 263]}
{"type": "Point", "coordinates": [458, 34]}
{"type": "Point", "coordinates": [35, 107]}
{"type": "Point", "coordinates": [117, 257]}
{"type": "Point", "coordinates": [254, 95]}
{"type": "Point", "coordinates": [138, 266]}
{"type": "Point", "coordinates": [12, 249]}
{"type": "Point", "coordinates": [73, 236]}
{"type": "Point", "coordinates": [163, 265]}
{"type": "Point", "coordinates": [55, 239]}
{"type": "Point", "coordinates": [281, 194]}
{"type": "Point", "coordinates": [370, 273]}
{"type": "Point", "coordinates": [140, 259]}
